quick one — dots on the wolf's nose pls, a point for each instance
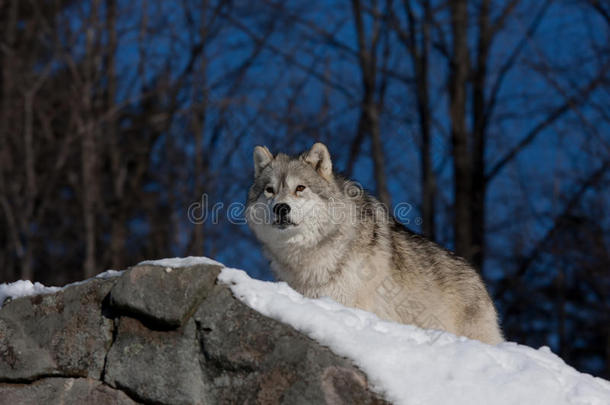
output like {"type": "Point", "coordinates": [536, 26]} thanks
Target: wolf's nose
{"type": "Point", "coordinates": [281, 210]}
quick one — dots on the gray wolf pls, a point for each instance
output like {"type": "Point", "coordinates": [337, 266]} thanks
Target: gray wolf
{"type": "Point", "coordinates": [325, 236]}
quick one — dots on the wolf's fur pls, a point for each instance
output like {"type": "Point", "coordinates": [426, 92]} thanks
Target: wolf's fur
{"type": "Point", "coordinates": [340, 242]}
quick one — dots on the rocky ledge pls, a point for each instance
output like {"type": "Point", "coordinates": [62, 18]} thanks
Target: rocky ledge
{"type": "Point", "coordinates": [163, 335]}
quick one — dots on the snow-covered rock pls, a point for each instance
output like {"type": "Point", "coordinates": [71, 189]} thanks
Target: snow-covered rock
{"type": "Point", "coordinates": [25, 288]}
{"type": "Point", "coordinates": [167, 311]}
{"type": "Point", "coordinates": [410, 365]}
{"type": "Point", "coordinates": [164, 332]}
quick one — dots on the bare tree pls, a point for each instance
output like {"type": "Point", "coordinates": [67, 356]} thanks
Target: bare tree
{"type": "Point", "coordinates": [373, 90]}
{"type": "Point", "coordinates": [459, 65]}
{"type": "Point", "coordinates": [416, 37]}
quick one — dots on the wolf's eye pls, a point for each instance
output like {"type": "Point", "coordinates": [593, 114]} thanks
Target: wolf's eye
{"type": "Point", "coordinates": [269, 190]}
{"type": "Point", "coordinates": [300, 188]}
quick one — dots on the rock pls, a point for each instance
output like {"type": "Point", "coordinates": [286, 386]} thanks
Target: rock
{"type": "Point", "coordinates": [65, 391]}
{"type": "Point", "coordinates": [64, 333]}
{"type": "Point", "coordinates": [163, 337]}
{"type": "Point", "coordinates": [156, 366]}
{"type": "Point", "coordinates": [252, 358]}
{"type": "Point", "coordinates": [163, 296]}
{"type": "Point", "coordinates": [21, 357]}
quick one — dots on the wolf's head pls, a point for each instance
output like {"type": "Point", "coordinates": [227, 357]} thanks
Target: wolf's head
{"type": "Point", "coordinates": [293, 199]}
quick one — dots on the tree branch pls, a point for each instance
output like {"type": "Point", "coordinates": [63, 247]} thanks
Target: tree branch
{"type": "Point", "coordinates": [550, 119]}
{"type": "Point", "coordinates": [558, 223]}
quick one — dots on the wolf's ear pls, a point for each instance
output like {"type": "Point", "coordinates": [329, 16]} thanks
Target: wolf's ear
{"type": "Point", "coordinates": [319, 157]}
{"type": "Point", "coordinates": [262, 157]}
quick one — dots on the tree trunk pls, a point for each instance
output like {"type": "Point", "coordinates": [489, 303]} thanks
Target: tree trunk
{"type": "Point", "coordinates": [479, 119]}
{"type": "Point", "coordinates": [88, 150]}
{"type": "Point", "coordinates": [561, 315]}
{"type": "Point", "coordinates": [118, 229]}
{"type": "Point", "coordinates": [459, 67]}
{"type": "Point", "coordinates": [198, 116]}
{"type": "Point", "coordinates": [378, 157]}
{"type": "Point", "coordinates": [88, 163]}
{"type": "Point", "coordinates": [423, 107]}
{"type": "Point", "coordinates": [369, 116]}
{"type": "Point", "coordinates": [198, 122]}
{"type": "Point", "coordinates": [27, 271]}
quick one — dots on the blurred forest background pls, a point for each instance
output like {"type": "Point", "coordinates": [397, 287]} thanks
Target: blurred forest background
{"type": "Point", "coordinates": [490, 118]}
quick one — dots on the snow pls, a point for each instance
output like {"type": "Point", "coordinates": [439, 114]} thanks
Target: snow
{"type": "Point", "coordinates": [181, 262]}
{"type": "Point", "coordinates": [109, 274]}
{"type": "Point", "coordinates": [23, 288]}
{"type": "Point", "coordinates": [410, 365]}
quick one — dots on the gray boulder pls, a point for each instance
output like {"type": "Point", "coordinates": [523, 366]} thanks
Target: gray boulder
{"type": "Point", "coordinates": [163, 336]}
{"type": "Point", "coordinates": [251, 358]}
{"type": "Point", "coordinates": [156, 366]}
{"type": "Point", "coordinates": [163, 296]}
{"type": "Point", "coordinates": [65, 333]}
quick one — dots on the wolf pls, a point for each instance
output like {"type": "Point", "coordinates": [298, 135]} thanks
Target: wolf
{"type": "Point", "coordinates": [325, 236]}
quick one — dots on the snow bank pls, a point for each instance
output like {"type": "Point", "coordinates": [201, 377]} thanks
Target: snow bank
{"type": "Point", "coordinates": [410, 365]}
{"type": "Point", "coordinates": [181, 262]}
